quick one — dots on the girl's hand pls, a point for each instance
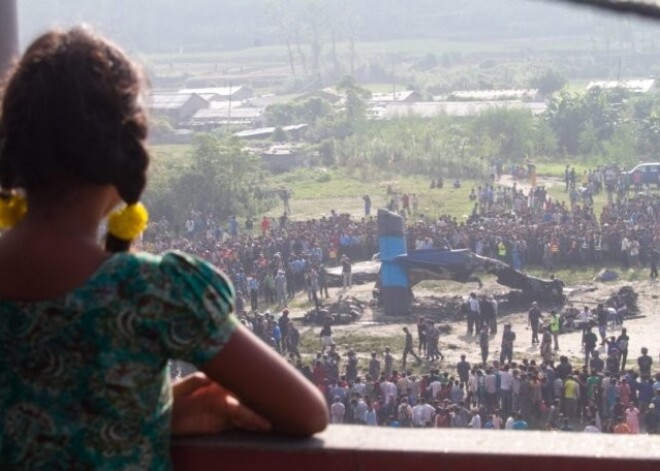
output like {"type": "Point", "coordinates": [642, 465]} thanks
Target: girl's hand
{"type": "Point", "coordinates": [202, 407]}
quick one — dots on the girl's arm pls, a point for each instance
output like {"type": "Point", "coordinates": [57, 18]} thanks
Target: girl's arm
{"type": "Point", "coordinates": [268, 385]}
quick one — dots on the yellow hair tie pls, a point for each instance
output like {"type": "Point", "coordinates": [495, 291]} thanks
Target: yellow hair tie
{"type": "Point", "coordinates": [12, 210]}
{"type": "Point", "coordinates": [128, 222]}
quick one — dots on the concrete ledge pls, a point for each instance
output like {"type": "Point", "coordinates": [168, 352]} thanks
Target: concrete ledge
{"type": "Point", "coordinates": [366, 448]}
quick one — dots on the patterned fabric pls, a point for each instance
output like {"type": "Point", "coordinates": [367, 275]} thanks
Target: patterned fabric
{"type": "Point", "coordinates": [84, 381]}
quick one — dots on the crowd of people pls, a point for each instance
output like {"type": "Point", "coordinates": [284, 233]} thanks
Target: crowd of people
{"type": "Point", "coordinates": [538, 393]}
{"type": "Point", "coordinates": [271, 259]}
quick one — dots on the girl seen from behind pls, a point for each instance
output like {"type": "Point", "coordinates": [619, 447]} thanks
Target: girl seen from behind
{"type": "Point", "coordinates": [86, 331]}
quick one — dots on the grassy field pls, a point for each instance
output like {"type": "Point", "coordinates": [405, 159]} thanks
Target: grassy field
{"type": "Point", "coordinates": [317, 191]}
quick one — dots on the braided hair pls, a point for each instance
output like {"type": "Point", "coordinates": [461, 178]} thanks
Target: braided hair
{"type": "Point", "coordinates": [72, 114]}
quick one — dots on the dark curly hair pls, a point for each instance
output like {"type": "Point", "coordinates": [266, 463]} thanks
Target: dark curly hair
{"type": "Point", "coordinates": [72, 114]}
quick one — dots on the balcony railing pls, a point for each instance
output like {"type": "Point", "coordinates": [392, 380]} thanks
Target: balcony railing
{"type": "Point", "coordinates": [346, 448]}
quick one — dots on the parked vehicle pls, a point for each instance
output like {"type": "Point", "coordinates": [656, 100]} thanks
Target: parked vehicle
{"type": "Point", "coordinates": [649, 173]}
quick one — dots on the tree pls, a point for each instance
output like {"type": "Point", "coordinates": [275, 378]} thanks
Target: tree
{"type": "Point", "coordinates": [220, 181]}
{"type": "Point", "coordinates": [549, 82]}
{"type": "Point", "coordinates": [355, 106]}
{"type": "Point", "coordinates": [513, 129]}
{"type": "Point", "coordinates": [279, 135]}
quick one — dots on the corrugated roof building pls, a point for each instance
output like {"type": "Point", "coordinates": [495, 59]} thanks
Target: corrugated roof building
{"type": "Point", "coordinates": [176, 107]}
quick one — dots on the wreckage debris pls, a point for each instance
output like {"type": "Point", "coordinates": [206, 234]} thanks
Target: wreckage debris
{"type": "Point", "coordinates": [625, 297]}
{"type": "Point", "coordinates": [345, 311]}
{"type": "Point", "coordinates": [606, 275]}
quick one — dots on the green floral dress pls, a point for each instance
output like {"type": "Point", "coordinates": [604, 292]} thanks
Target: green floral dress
{"type": "Point", "coordinates": [84, 382]}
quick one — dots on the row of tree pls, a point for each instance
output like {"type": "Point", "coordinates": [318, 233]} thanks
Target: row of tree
{"type": "Point", "coordinates": [604, 126]}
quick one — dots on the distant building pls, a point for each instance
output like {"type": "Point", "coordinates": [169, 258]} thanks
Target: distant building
{"type": "Point", "coordinates": [635, 86]}
{"type": "Point", "coordinates": [294, 130]}
{"type": "Point", "coordinates": [431, 109]}
{"type": "Point", "coordinates": [329, 94]}
{"type": "Point", "coordinates": [236, 93]}
{"type": "Point", "coordinates": [283, 158]}
{"type": "Point", "coordinates": [407, 96]}
{"type": "Point", "coordinates": [214, 117]}
{"type": "Point", "coordinates": [176, 107]}
{"type": "Point", "coordinates": [524, 94]}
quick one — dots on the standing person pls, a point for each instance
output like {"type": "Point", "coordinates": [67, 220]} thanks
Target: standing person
{"type": "Point", "coordinates": [388, 363]}
{"type": "Point", "coordinates": [571, 396]}
{"type": "Point", "coordinates": [463, 369]}
{"type": "Point", "coordinates": [265, 226]}
{"type": "Point", "coordinates": [367, 205]}
{"type": "Point", "coordinates": [346, 273]}
{"type": "Point", "coordinates": [486, 313]}
{"type": "Point", "coordinates": [351, 366]}
{"type": "Point", "coordinates": [281, 289]}
{"type": "Point", "coordinates": [408, 348]}
{"type": "Point", "coordinates": [494, 314]}
{"type": "Point", "coordinates": [508, 337]}
{"type": "Point", "coordinates": [602, 316]}
{"type": "Point", "coordinates": [374, 366]}
{"type": "Point", "coordinates": [533, 319]}
{"type": "Point", "coordinates": [293, 340]}
{"type": "Point", "coordinates": [555, 328]}
{"type": "Point", "coordinates": [483, 344]}
{"type": "Point", "coordinates": [433, 338]}
{"type": "Point", "coordinates": [337, 411]}
{"type": "Point", "coordinates": [422, 335]}
{"type": "Point", "coordinates": [622, 343]}
{"type": "Point", "coordinates": [314, 286]}
{"type": "Point", "coordinates": [323, 282]}
{"type": "Point", "coordinates": [73, 130]}
{"type": "Point", "coordinates": [589, 340]}
{"type": "Point", "coordinates": [473, 313]}
{"type": "Point", "coordinates": [253, 289]}
{"type": "Point", "coordinates": [326, 334]}
{"type": "Point", "coordinates": [644, 362]}
{"type": "Point", "coordinates": [284, 323]}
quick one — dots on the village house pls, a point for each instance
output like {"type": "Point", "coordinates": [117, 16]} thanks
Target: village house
{"type": "Point", "coordinates": [234, 93]}
{"type": "Point", "coordinates": [176, 107]}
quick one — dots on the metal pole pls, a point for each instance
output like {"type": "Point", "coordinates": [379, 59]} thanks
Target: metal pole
{"type": "Point", "coordinates": [8, 34]}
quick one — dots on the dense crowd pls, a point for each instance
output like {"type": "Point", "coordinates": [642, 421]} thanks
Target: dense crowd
{"type": "Point", "coordinates": [608, 396]}
{"type": "Point", "coordinates": [271, 259]}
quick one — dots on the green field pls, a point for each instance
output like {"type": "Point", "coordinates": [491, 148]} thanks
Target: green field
{"type": "Point", "coordinates": [317, 191]}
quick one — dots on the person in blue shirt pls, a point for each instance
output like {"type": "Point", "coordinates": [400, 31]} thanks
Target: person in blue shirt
{"type": "Point", "coordinates": [519, 423]}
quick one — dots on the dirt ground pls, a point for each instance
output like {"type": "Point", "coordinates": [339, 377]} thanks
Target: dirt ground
{"type": "Point", "coordinates": [643, 329]}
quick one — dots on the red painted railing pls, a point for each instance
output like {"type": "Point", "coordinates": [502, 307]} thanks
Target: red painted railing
{"type": "Point", "coordinates": [345, 448]}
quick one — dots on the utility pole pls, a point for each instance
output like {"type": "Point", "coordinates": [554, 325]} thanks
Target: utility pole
{"type": "Point", "coordinates": [8, 34]}
{"type": "Point", "coordinates": [228, 111]}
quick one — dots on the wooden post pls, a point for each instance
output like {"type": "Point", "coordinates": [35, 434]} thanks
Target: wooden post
{"type": "Point", "coordinates": [8, 34]}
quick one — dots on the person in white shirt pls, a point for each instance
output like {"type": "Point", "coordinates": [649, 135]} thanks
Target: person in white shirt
{"type": "Point", "coordinates": [388, 392]}
{"type": "Point", "coordinates": [434, 387]}
{"type": "Point", "coordinates": [475, 421]}
{"type": "Point", "coordinates": [509, 423]}
{"type": "Point", "coordinates": [337, 411]}
{"type": "Point", "coordinates": [371, 417]}
{"type": "Point", "coordinates": [359, 387]}
{"type": "Point", "coordinates": [422, 414]}
{"type": "Point", "coordinates": [592, 428]}
{"type": "Point", "coordinates": [360, 410]}
{"type": "Point", "coordinates": [506, 385]}
{"type": "Point", "coordinates": [584, 319]}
